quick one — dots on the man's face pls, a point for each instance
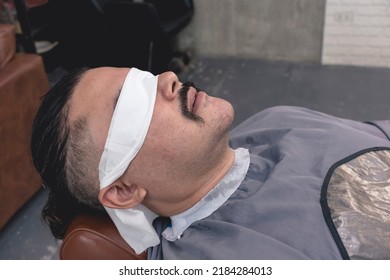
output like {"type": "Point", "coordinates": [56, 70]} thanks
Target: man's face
{"type": "Point", "coordinates": [187, 124]}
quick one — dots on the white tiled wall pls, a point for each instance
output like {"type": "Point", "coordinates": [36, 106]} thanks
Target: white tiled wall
{"type": "Point", "coordinates": [357, 32]}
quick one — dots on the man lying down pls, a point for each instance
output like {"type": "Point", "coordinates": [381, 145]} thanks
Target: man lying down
{"type": "Point", "coordinates": [288, 183]}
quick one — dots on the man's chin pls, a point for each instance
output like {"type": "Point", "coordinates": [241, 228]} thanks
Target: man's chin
{"type": "Point", "coordinates": [227, 116]}
{"type": "Point", "coordinates": [230, 112]}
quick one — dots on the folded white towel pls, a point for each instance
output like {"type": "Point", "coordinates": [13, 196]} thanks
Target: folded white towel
{"type": "Point", "coordinates": [129, 125]}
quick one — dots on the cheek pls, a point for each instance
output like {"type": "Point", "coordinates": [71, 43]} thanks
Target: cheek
{"type": "Point", "coordinates": [167, 122]}
{"type": "Point", "coordinates": [161, 134]}
{"type": "Point", "coordinates": [172, 142]}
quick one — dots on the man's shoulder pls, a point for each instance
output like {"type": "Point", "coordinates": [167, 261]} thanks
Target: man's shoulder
{"type": "Point", "coordinates": [282, 116]}
{"type": "Point", "coordinates": [288, 111]}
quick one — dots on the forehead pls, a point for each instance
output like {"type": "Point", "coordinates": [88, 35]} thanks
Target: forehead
{"type": "Point", "coordinates": [94, 98]}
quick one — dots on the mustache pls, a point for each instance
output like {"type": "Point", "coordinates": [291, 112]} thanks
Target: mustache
{"type": "Point", "coordinates": [183, 93]}
{"type": "Point", "coordinates": [186, 86]}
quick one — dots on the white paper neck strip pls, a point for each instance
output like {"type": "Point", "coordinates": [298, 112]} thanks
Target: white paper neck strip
{"type": "Point", "coordinates": [129, 125]}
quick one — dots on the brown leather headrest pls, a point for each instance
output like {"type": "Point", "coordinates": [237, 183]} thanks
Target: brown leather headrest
{"type": "Point", "coordinates": [8, 43]}
{"type": "Point", "coordinates": [95, 237]}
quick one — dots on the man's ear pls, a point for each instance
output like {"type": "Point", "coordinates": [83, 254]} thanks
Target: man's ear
{"type": "Point", "coordinates": [120, 195]}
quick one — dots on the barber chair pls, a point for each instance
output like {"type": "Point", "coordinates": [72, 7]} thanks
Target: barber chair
{"type": "Point", "coordinates": [95, 237]}
{"type": "Point", "coordinates": [141, 34]}
{"type": "Point", "coordinates": [23, 81]}
{"type": "Point", "coordinates": [119, 33]}
{"type": "Point", "coordinates": [81, 31]}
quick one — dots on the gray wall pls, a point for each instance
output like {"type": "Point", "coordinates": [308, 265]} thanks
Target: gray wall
{"type": "Point", "coordinates": [270, 29]}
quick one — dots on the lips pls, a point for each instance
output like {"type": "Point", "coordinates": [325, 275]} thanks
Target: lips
{"type": "Point", "coordinates": [198, 100]}
{"type": "Point", "coordinates": [192, 96]}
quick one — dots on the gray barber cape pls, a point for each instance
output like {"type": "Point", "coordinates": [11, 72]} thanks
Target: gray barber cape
{"type": "Point", "coordinates": [318, 187]}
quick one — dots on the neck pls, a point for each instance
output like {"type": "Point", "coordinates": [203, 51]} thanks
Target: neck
{"type": "Point", "coordinates": [200, 185]}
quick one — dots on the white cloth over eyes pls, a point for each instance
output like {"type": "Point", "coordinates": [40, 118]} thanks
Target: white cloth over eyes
{"type": "Point", "coordinates": [129, 125]}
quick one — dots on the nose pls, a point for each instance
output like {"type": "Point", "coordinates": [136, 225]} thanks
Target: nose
{"type": "Point", "coordinates": [168, 85]}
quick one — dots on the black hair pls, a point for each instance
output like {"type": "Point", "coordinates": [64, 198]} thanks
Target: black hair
{"type": "Point", "coordinates": [49, 148]}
